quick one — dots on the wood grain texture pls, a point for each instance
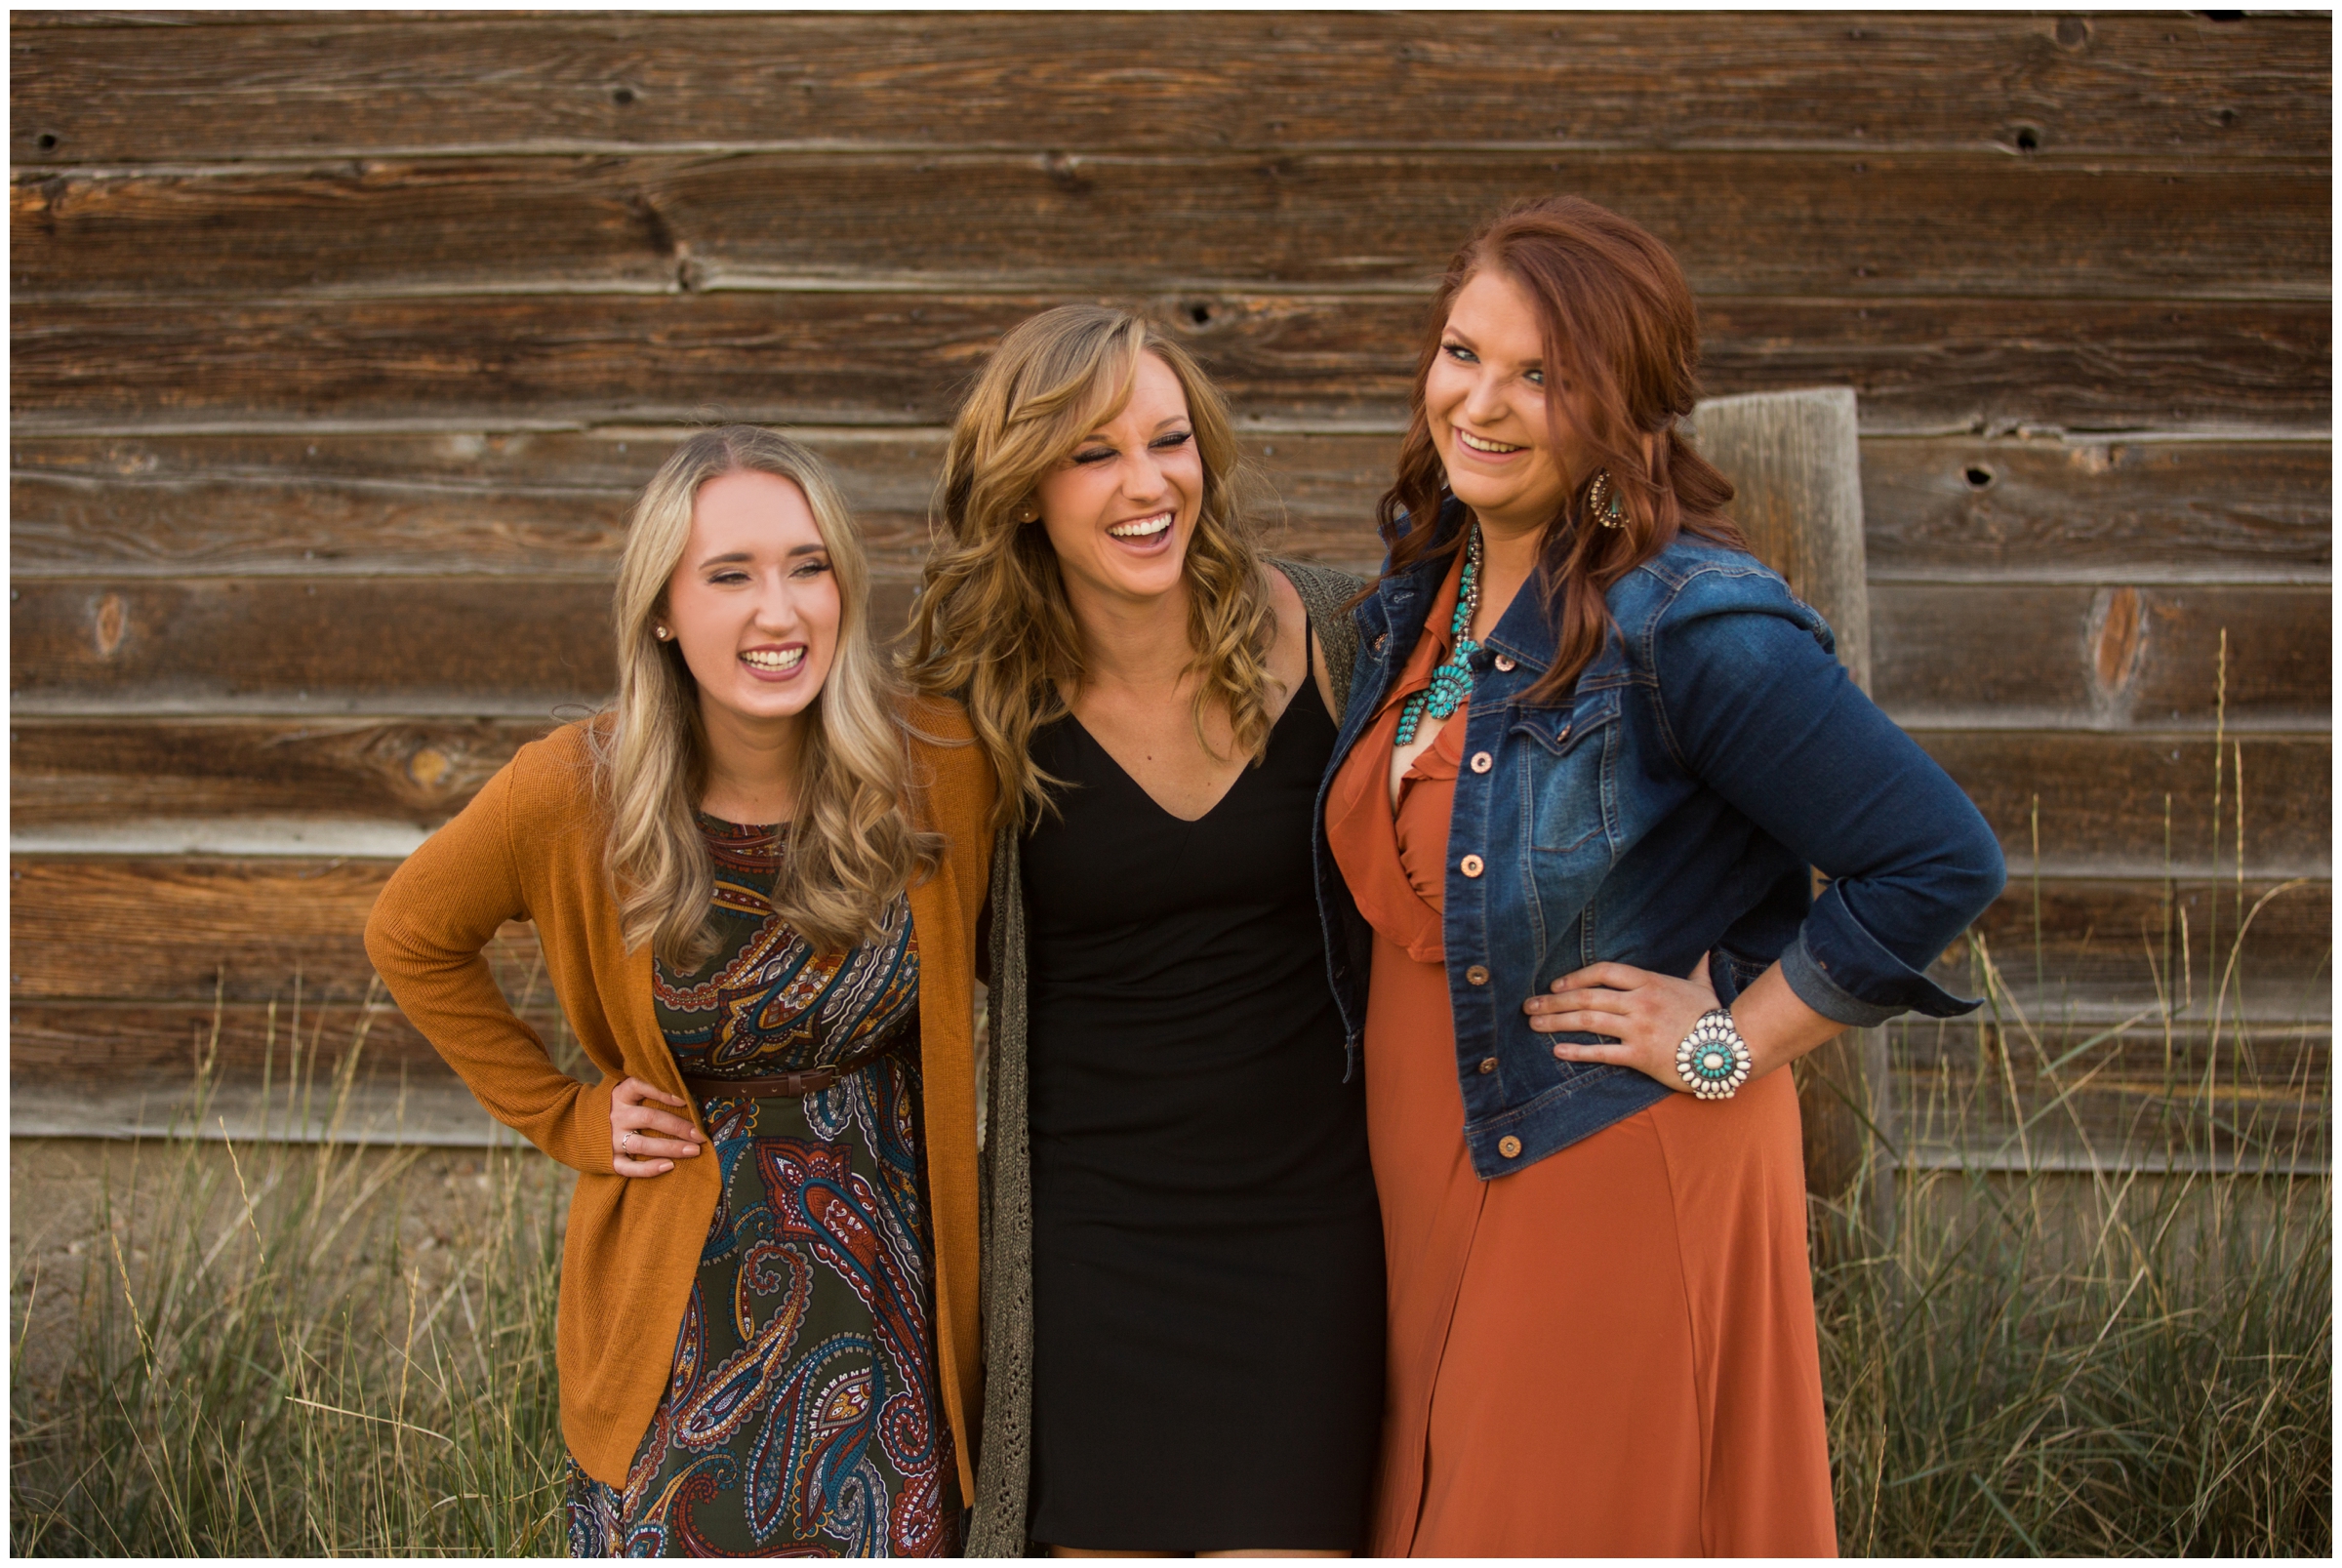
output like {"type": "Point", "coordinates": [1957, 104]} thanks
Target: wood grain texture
{"type": "Point", "coordinates": [2099, 511]}
{"type": "Point", "coordinates": [2101, 799]}
{"type": "Point", "coordinates": [551, 502]}
{"type": "Point", "coordinates": [1990, 367]}
{"type": "Point", "coordinates": [2256, 1094]}
{"type": "Point", "coordinates": [1953, 656]}
{"type": "Point", "coordinates": [106, 774]}
{"type": "Point", "coordinates": [107, 1044]}
{"type": "Point", "coordinates": [1890, 225]}
{"type": "Point", "coordinates": [1956, 656]}
{"type": "Point", "coordinates": [2102, 796]}
{"type": "Point", "coordinates": [195, 931]}
{"type": "Point", "coordinates": [235, 85]}
{"type": "Point", "coordinates": [542, 505]}
{"type": "Point", "coordinates": [451, 646]}
{"type": "Point", "coordinates": [2106, 947]}
{"type": "Point", "coordinates": [191, 930]}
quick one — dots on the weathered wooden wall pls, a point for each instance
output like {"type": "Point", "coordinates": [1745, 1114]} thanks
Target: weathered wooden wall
{"type": "Point", "coordinates": [340, 343]}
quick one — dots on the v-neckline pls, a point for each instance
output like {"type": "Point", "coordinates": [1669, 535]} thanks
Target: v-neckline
{"type": "Point", "coordinates": [1132, 780]}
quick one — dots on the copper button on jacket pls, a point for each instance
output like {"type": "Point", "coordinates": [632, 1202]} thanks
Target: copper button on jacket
{"type": "Point", "coordinates": [1471, 865]}
{"type": "Point", "coordinates": [1509, 1147]}
{"type": "Point", "coordinates": [1481, 763]}
{"type": "Point", "coordinates": [1504, 662]}
{"type": "Point", "coordinates": [1487, 1063]}
{"type": "Point", "coordinates": [1478, 974]}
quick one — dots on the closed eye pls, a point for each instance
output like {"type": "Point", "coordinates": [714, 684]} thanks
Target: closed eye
{"type": "Point", "coordinates": [1095, 455]}
{"type": "Point", "coordinates": [1173, 441]}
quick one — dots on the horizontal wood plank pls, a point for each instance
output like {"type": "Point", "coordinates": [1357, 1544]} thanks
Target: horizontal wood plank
{"type": "Point", "coordinates": [1947, 656]}
{"type": "Point", "coordinates": [1944, 656]}
{"type": "Point", "coordinates": [472, 647]}
{"type": "Point", "coordinates": [192, 930]}
{"type": "Point", "coordinates": [106, 774]}
{"type": "Point", "coordinates": [1919, 366]}
{"type": "Point", "coordinates": [2101, 948]}
{"type": "Point", "coordinates": [1880, 224]}
{"type": "Point", "coordinates": [205, 931]}
{"type": "Point", "coordinates": [107, 1044]}
{"type": "Point", "coordinates": [2146, 1093]}
{"type": "Point", "coordinates": [551, 503]}
{"type": "Point", "coordinates": [236, 84]}
{"type": "Point", "coordinates": [2101, 797]}
{"type": "Point", "coordinates": [2134, 804]}
{"type": "Point", "coordinates": [2131, 511]}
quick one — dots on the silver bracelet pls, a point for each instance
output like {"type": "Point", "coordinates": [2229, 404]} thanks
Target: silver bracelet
{"type": "Point", "coordinates": [1713, 1060]}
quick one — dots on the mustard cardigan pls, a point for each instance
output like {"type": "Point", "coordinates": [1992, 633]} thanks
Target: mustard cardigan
{"type": "Point", "coordinates": [529, 847]}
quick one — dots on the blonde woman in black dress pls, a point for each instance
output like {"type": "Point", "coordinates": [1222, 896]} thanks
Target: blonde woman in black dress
{"type": "Point", "coordinates": [1184, 1312]}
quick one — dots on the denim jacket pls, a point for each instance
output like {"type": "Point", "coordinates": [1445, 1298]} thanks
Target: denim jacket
{"type": "Point", "coordinates": [1670, 805]}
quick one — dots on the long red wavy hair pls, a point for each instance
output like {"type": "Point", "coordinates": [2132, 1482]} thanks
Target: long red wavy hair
{"type": "Point", "coordinates": [1622, 335]}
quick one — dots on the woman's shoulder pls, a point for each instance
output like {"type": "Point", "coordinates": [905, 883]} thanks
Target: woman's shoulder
{"type": "Point", "coordinates": [557, 773]}
{"type": "Point", "coordinates": [948, 765]}
{"type": "Point", "coordinates": [1324, 590]}
{"type": "Point", "coordinates": [1695, 576]}
{"type": "Point", "coordinates": [1694, 580]}
{"type": "Point", "coordinates": [934, 723]}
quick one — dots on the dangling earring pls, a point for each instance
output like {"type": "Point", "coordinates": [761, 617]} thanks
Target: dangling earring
{"type": "Point", "coordinates": [1601, 499]}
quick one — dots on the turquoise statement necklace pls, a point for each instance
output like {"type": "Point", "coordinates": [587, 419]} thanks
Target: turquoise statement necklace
{"type": "Point", "coordinates": [1451, 682]}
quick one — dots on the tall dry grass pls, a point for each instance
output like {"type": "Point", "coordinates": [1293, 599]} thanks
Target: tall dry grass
{"type": "Point", "coordinates": [267, 1359]}
{"type": "Point", "coordinates": [2059, 1353]}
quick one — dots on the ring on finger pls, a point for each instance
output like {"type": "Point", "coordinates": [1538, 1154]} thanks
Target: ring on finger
{"type": "Point", "coordinates": [625, 1145]}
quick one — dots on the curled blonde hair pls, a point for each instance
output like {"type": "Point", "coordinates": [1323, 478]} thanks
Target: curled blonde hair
{"type": "Point", "coordinates": [850, 849]}
{"type": "Point", "coordinates": [992, 628]}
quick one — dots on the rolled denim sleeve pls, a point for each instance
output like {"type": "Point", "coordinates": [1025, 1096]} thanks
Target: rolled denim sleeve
{"type": "Point", "coordinates": [1761, 711]}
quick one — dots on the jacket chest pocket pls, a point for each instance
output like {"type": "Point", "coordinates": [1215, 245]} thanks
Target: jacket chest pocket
{"type": "Point", "coordinates": [1566, 771]}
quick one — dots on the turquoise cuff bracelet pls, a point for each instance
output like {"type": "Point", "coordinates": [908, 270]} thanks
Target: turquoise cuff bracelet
{"type": "Point", "coordinates": [1713, 1060]}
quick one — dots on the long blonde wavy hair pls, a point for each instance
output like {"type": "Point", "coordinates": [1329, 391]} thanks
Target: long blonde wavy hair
{"type": "Point", "coordinates": [992, 628]}
{"type": "Point", "coordinates": [850, 848]}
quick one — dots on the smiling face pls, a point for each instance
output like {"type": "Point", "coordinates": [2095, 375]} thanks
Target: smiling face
{"type": "Point", "coordinates": [1485, 402]}
{"type": "Point", "coordinates": [752, 603]}
{"type": "Point", "coordinates": [1120, 511]}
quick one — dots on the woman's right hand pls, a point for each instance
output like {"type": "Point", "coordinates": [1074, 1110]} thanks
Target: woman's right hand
{"type": "Point", "coordinates": [645, 1141]}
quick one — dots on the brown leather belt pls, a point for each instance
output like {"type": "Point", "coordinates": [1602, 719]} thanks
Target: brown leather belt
{"type": "Point", "coordinates": [773, 1086]}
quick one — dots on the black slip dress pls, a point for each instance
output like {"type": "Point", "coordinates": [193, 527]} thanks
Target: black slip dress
{"type": "Point", "coordinates": [1207, 1257]}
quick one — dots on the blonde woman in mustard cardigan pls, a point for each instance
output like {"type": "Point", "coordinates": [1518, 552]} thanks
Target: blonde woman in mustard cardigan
{"type": "Point", "coordinates": [756, 878]}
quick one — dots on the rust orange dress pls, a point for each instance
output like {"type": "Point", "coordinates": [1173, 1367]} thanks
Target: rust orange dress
{"type": "Point", "coordinates": [1612, 1351]}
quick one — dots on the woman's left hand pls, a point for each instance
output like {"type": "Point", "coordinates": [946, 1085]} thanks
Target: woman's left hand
{"type": "Point", "coordinates": [1648, 1013]}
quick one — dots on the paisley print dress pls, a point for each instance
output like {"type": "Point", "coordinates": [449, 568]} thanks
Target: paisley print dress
{"type": "Point", "coordinates": [803, 1416]}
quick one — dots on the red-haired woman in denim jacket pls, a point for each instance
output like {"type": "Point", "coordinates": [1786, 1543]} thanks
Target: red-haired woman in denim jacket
{"type": "Point", "coordinates": [1591, 751]}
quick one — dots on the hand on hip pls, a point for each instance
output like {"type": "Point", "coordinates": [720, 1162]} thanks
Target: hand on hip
{"type": "Point", "coordinates": [1647, 1015]}
{"type": "Point", "coordinates": [644, 1140]}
